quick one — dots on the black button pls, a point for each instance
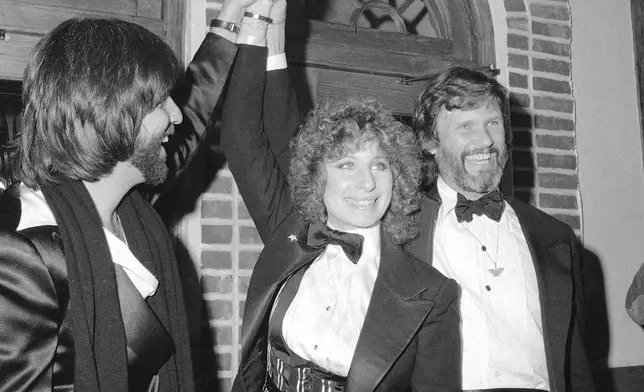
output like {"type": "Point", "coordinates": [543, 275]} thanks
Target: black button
{"type": "Point", "coordinates": [487, 287]}
{"type": "Point", "coordinates": [483, 248]}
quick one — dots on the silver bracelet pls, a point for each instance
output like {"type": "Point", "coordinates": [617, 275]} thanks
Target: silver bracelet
{"type": "Point", "coordinates": [258, 17]}
{"type": "Point", "coordinates": [222, 24]}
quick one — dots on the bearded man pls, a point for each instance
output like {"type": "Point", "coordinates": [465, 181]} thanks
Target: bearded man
{"type": "Point", "coordinates": [518, 268]}
{"type": "Point", "coordinates": [90, 294]}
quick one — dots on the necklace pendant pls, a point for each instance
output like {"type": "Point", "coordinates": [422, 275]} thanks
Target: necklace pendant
{"type": "Point", "coordinates": [495, 272]}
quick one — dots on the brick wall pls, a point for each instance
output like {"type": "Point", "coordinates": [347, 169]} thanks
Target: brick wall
{"type": "Point", "coordinates": [230, 246]}
{"type": "Point", "coordinates": [544, 158]}
{"type": "Point", "coordinates": [542, 107]}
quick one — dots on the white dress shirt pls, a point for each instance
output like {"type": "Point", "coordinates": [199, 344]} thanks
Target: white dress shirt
{"type": "Point", "coordinates": [501, 327]}
{"type": "Point", "coordinates": [324, 321]}
{"type": "Point", "coordinates": [276, 62]}
{"type": "Point", "coordinates": [36, 212]}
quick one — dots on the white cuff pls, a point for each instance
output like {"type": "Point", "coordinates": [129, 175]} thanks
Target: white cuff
{"type": "Point", "coordinates": [276, 61]}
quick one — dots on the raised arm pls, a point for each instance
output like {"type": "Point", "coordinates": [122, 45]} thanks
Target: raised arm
{"type": "Point", "coordinates": [250, 158]}
{"type": "Point", "coordinates": [258, 177]}
{"type": "Point", "coordinates": [199, 92]}
{"type": "Point", "coordinates": [281, 114]}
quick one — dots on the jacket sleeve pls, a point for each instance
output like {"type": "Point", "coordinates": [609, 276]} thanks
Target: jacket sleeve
{"type": "Point", "coordinates": [438, 360]}
{"type": "Point", "coordinates": [29, 317]}
{"type": "Point", "coordinates": [281, 115]}
{"type": "Point", "coordinates": [246, 146]}
{"type": "Point", "coordinates": [197, 95]}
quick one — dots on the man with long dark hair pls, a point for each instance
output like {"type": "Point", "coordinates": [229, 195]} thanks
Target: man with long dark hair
{"type": "Point", "coordinates": [90, 294]}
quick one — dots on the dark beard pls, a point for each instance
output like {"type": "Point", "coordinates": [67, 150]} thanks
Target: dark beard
{"type": "Point", "coordinates": [454, 167]}
{"type": "Point", "coordinates": [146, 158]}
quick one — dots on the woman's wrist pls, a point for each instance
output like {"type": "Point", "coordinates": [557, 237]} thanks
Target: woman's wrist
{"type": "Point", "coordinates": [227, 22]}
{"type": "Point", "coordinates": [231, 12]}
{"type": "Point", "coordinates": [276, 34]}
{"type": "Point", "coordinates": [254, 27]}
{"type": "Point", "coordinates": [253, 32]}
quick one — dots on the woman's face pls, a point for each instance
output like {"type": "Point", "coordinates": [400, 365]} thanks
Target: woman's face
{"type": "Point", "coordinates": [358, 188]}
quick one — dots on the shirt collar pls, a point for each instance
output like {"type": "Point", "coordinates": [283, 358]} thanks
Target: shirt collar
{"type": "Point", "coordinates": [142, 279]}
{"type": "Point", "coordinates": [448, 199]}
{"type": "Point", "coordinates": [36, 212]}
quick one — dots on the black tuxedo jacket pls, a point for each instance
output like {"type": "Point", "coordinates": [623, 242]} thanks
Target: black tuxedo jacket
{"type": "Point", "coordinates": [410, 339]}
{"type": "Point", "coordinates": [36, 345]}
{"type": "Point", "coordinates": [553, 248]}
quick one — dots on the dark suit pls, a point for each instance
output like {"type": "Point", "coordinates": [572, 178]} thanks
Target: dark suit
{"type": "Point", "coordinates": [36, 340]}
{"type": "Point", "coordinates": [553, 248]}
{"type": "Point", "coordinates": [410, 338]}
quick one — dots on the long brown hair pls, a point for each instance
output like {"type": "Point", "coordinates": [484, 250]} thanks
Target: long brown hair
{"type": "Point", "coordinates": [88, 84]}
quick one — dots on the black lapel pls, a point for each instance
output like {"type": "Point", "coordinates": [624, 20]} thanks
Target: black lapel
{"type": "Point", "coordinates": [285, 254]}
{"type": "Point", "coordinates": [396, 312]}
{"type": "Point", "coordinates": [552, 258]}
{"type": "Point", "coordinates": [423, 245]}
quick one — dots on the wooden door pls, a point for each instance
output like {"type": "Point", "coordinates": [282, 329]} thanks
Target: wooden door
{"type": "Point", "coordinates": [344, 49]}
{"type": "Point", "coordinates": [25, 21]}
{"type": "Point", "coordinates": [337, 62]}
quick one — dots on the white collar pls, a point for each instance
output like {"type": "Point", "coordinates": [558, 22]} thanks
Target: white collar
{"type": "Point", "coordinates": [448, 198]}
{"type": "Point", "coordinates": [36, 212]}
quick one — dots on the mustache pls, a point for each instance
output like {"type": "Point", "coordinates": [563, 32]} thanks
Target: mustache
{"type": "Point", "coordinates": [169, 132]}
{"type": "Point", "coordinates": [482, 150]}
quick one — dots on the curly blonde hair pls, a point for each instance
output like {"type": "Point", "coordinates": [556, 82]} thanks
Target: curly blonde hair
{"type": "Point", "coordinates": [335, 128]}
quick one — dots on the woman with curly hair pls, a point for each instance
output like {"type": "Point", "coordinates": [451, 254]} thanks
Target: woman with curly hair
{"type": "Point", "coordinates": [334, 302]}
{"type": "Point", "coordinates": [335, 131]}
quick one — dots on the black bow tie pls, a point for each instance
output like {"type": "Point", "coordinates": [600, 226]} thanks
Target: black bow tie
{"type": "Point", "coordinates": [490, 205]}
{"type": "Point", "coordinates": [320, 235]}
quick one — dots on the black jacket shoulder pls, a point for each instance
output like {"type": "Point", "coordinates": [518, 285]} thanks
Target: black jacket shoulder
{"type": "Point", "coordinates": [10, 209]}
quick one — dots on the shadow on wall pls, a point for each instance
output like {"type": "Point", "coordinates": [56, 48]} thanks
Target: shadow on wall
{"type": "Point", "coordinates": [594, 315]}
{"type": "Point", "coordinates": [596, 329]}
{"type": "Point", "coordinates": [175, 204]}
{"type": "Point", "coordinates": [521, 169]}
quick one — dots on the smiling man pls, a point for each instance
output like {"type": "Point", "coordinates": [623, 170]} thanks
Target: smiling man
{"type": "Point", "coordinates": [518, 269]}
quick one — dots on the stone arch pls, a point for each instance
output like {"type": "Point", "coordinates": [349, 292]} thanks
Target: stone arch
{"type": "Point", "coordinates": [465, 23]}
{"type": "Point", "coordinates": [474, 39]}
